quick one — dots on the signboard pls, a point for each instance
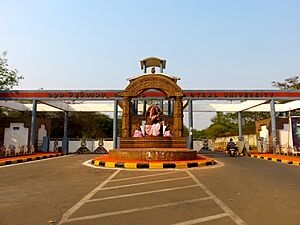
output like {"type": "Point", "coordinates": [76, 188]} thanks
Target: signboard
{"type": "Point", "coordinates": [242, 95]}
{"type": "Point", "coordinates": [113, 94]}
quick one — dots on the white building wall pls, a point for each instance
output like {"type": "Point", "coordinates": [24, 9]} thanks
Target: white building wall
{"type": "Point", "coordinates": [264, 132]}
{"type": "Point", "coordinates": [16, 134]}
{"type": "Point", "coordinates": [42, 132]}
{"type": "Point", "coordinates": [221, 142]}
{"type": "Point", "coordinates": [197, 145]}
{"type": "Point", "coordinates": [285, 136]}
{"type": "Point", "coordinates": [51, 145]}
{"type": "Point", "coordinates": [108, 145]}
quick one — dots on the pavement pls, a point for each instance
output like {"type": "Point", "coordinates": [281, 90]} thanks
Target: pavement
{"type": "Point", "coordinates": [61, 190]}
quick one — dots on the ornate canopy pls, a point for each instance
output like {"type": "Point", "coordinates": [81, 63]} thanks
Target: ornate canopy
{"type": "Point", "coordinates": [164, 83]}
{"type": "Point", "coordinates": [161, 82]}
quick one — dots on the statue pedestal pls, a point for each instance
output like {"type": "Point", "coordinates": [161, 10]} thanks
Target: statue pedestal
{"type": "Point", "coordinates": [153, 154]}
{"type": "Point", "coordinates": [152, 142]}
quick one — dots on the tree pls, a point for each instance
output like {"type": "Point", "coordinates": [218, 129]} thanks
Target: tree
{"type": "Point", "coordinates": [223, 124]}
{"type": "Point", "coordinates": [81, 125]}
{"type": "Point", "coordinates": [8, 77]}
{"type": "Point", "coordinates": [199, 134]}
{"type": "Point", "coordinates": [291, 83]}
{"type": "Point", "coordinates": [226, 124]}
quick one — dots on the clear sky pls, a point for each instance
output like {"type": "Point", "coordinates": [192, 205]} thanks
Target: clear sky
{"type": "Point", "coordinates": [59, 44]}
{"type": "Point", "coordinates": [87, 44]}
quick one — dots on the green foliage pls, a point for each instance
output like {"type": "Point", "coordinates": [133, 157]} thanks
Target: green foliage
{"type": "Point", "coordinates": [249, 119]}
{"type": "Point", "coordinates": [8, 77]}
{"type": "Point", "coordinates": [199, 134]}
{"type": "Point", "coordinates": [185, 131]}
{"type": "Point", "coordinates": [81, 125]}
{"type": "Point", "coordinates": [90, 125]}
{"type": "Point", "coordinates": [223, 124]}
{"type": "Point", "coordinates": [226, 124]}
{"type": "Point", "coordinates": [5, 112]}
{"type": "Point", "coordinates": [57, 123]}
{"type": "Point", "coordinates": [291, 83]}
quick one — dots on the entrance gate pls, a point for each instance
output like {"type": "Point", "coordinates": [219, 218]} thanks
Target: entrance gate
{"type": "Point", "coordinates": [252, 100]}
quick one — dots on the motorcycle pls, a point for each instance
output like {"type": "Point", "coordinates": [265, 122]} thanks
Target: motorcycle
{"type": "Point", "coordinates": [233, 151]}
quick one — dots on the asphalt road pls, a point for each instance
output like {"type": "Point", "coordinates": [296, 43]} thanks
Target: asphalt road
{"type": "Point", "coordinates": [62, 190]}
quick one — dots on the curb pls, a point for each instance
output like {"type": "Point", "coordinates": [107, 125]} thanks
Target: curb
{"type": "Point", "coordinates": [21, 160]}
{"type": "Point", "coordinates": [152, 165]}
{"type": "Point", "coordinates": [286, 161]}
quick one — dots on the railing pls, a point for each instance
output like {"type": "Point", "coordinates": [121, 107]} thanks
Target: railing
{"type": "Point", "coordinates": [288, 150]}
{"type": "Point", "coordinates": [16, 150]}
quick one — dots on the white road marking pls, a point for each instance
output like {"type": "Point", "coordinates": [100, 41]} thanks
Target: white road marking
{"type": "Point", "coordinates": [72, 210]}
{"type": "Point", "coordinates": [227, 211]}
{"type": "Point", "coordinates": [149, 182]}
{"type": "Point", "coordinates": [101, 215]}
{"type": "Point", "coordinates": [145, 176]}
{"type": "Point", "coordinates": [27, 194]}
{"type": "Point", "coordinates": [142, 193]}
{"type": "Point", "coordinates": [34, 161]}
{"type": "Point", "coordinates": [218, 201]}
{"type": "Point", "coordinates": [203, 219]}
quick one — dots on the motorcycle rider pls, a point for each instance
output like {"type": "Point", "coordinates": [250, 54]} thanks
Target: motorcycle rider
{"type": "Point", "coordinates": [230, 145]}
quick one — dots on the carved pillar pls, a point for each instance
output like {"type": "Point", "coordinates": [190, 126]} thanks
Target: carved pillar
{"type": "Point", "coordinates": [178, 117]}
{"type": "Point", "coordinates": [126, 118]}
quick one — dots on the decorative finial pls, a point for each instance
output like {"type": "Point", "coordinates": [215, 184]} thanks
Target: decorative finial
{"type": "Point", "coordinates": [153, 70]}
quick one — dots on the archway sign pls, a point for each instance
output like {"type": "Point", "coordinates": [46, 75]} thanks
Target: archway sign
{"type": "Point", "coordinates": [103, 95]}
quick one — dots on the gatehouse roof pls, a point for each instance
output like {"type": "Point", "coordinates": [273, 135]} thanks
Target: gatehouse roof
{"type": "Point", "coordinates": [153, 61]}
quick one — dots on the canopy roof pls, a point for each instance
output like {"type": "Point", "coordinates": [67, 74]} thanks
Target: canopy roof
{"type": "Point", "coordinates": [108, 106]}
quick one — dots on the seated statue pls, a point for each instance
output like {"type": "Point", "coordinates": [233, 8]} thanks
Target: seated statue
{"type": "Point", "coordinates": [138, 132]}
{"type": "Point", "coordinates": [153, 121]}
{"type": "Point", "coordinates": [168, 132]}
